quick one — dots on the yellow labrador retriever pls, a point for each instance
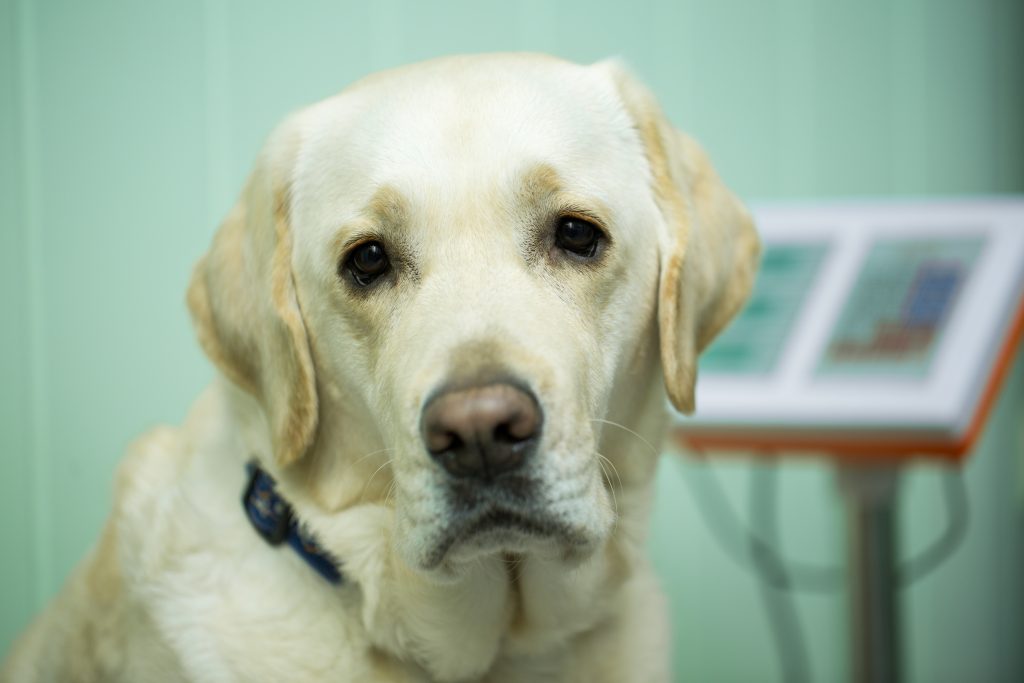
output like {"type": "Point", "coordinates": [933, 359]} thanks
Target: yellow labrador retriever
{"type": "Point", "coordinates": [442, 309]}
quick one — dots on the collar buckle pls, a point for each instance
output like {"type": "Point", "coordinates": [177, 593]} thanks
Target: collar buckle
{"type": "Point", "coordinates": [269, 514]}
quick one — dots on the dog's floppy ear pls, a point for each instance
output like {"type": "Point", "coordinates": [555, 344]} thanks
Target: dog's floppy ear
{"type": "Point", "coordinates": [709, 248]}
{"type": "Point", "coordinates": [244, 306]}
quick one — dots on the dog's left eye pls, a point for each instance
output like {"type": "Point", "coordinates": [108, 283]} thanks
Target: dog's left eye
{"type": "Point", "coordinates": [581, 237]}
{"type": "Point", "coordinates": [366, 263]}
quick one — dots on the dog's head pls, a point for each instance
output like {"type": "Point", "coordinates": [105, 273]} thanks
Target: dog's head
{"type": "Point", "coordinates": [454, 273]}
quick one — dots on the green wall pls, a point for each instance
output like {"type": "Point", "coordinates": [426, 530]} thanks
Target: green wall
{"type": "Point", "coordinates": [126, 129]}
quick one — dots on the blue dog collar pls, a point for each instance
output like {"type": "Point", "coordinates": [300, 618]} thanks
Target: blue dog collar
{"type": "Point", "coordinates": [272, 518]}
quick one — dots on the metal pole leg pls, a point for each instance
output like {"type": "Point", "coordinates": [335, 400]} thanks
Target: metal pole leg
{"type": "Point", "coordinates": [874, 591]}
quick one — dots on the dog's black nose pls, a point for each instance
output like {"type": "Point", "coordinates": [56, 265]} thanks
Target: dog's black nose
{"type": "Point", "coordinates": [481, 431]}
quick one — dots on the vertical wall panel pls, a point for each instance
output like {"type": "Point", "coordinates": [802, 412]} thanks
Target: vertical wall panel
{"type": "Point", "coordinates": [797, 162]}
{"type": "Point", "coordinates": [1008, 130]}
{"type": "Point", "coordinates": [731, 102]}
{"type": "Point", "coordinates": [909, 83]}
{"type": "Point", "coordinates": [960, 113]}
{"type": "Point", "coordinates": [119, 89]}
{"type": "Point", "coordinates": [17, 538]}
{"type": "Point", "coordinates": [853, 91]}
{"type": "Point", "coordinates": [217, 132]}
{"type": "Point", "coordinates": [281, 56]}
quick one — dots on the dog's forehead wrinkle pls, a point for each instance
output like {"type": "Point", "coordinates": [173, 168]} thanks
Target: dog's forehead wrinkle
{"type": "Point", "coordinates": [480, 96]}
{"type": "Point", "coordinates": [463, 121]}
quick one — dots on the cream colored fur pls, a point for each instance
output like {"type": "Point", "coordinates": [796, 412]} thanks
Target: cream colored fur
{"type": "Point", "coordinates": [462, 165]}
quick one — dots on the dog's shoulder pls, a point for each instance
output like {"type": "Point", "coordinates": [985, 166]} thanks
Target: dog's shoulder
{"type": "Point", "coordinates": [96, 619]}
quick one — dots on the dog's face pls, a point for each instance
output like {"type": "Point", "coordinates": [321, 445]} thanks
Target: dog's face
{"type": "Point", "coordinates": [473, 255]}
{"type": "Point", "coordinates": [455, 267]}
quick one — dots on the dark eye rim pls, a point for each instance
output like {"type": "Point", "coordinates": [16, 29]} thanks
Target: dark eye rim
{"type": "Point", "coordinates": [347, 268]}
{"type": "Point", "coordinates": [595, 249]}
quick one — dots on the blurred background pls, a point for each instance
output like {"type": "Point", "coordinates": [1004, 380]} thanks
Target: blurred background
{"type": "Point", "coordinates": [126, 130]}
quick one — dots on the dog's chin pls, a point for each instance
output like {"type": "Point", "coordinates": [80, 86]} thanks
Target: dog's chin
{"type": "Point", "coordinates": [499, 532]}
{"type": "Point", "coordinates": [509, 533]}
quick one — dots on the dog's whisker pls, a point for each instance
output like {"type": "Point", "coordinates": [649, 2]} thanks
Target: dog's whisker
{"type": "Point", "coordinates": [371, 454]}
{"type": "Point", "coordinates": [390, 492]}
{"type": "Point", "coordinates": [611, 489]}
{"type": "Point", "coordinates": [615, 470]}
{"type": "Point", "coordinates": [628, 431]}
{"type": "Point", "coordinates": [608, 486]}
{"type": "Point", "coordinates": [367, 484]}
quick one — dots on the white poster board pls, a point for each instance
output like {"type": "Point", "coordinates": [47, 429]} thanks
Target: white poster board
{"type": "Point", "coordinates": [869, 320]}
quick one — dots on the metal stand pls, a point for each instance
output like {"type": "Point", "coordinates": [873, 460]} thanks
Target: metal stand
{"type": "Point", "coordinates": [874, 591]}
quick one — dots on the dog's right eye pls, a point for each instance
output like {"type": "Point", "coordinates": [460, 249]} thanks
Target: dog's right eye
{"type": "Point", "coordinates": [366, 263]}
{"type": "Point", "coordinates": [578, 236]}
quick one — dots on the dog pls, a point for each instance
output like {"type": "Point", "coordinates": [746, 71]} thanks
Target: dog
{"type": "Point", "coordinates": [446, 312]}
